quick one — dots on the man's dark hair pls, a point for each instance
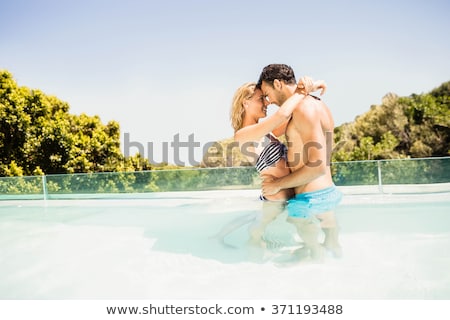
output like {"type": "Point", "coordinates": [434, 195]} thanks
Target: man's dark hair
{"type": "Point", "coordinates": [276, 71]}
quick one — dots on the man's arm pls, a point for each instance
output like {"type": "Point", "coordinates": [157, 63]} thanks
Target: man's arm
{"type": "Point", "coordinates": [307, 121]}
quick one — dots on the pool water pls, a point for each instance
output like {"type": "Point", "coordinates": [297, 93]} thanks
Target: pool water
{"type": "Point", "coordinates": [394, 247]}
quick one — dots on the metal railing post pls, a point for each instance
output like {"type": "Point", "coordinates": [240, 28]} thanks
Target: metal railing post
{"type": "Point", "coordinates": [44, 186]}
{"type": "Point", "coordinates": [380, 182]}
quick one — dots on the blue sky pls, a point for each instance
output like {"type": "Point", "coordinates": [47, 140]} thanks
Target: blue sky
{"type": "Point", "coordinates": [162, 68]}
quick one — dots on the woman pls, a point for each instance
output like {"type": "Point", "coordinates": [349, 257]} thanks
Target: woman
{"type": "Point", "coordinates": [260, 140]}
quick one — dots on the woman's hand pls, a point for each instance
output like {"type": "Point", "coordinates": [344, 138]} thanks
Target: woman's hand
{"type": "Point", "coordinates": [306, 85]}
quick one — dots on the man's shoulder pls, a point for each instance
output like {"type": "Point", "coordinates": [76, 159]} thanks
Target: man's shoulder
{"type": "Point", "coordinates": [307, 114]}
{"type": "Point", "coordinates": [308, 107]}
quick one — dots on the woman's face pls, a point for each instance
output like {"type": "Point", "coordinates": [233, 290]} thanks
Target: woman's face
{"type": "Point", "coordinates": [256, 106]}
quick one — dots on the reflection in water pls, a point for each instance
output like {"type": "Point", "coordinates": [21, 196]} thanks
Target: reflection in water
{"type": "Point", "coordinates": [311, 230]}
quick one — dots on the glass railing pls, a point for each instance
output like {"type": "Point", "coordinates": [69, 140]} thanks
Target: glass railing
{"type": "Point", "coordinates": [388, 176]}
{"type": "Point", "coordinates": [32, 187]}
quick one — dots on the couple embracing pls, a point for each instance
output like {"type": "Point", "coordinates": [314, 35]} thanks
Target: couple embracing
{"type": "Point", "coordinates": [296, 176]}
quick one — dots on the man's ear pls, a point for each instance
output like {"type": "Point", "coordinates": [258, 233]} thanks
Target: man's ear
{"type": "Point", "coordinates": [277, 84]}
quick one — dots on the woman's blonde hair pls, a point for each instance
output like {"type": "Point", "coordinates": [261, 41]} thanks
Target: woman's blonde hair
{"type": "Point", "coordinates": [237, 112]}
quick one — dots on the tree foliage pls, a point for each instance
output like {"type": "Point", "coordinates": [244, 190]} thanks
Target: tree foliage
{"type": "Point", "coordinates": [401, 127]}
{"type": "Point", "coordinates": [38, 135]}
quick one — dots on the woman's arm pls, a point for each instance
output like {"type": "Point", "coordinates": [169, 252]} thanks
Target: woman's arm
{"type": "Point", "coordinates": [258, 130]}
{"type": "Point", "coordinates": [306, 85]}
{"type": "Point", "coordinates": [280, 130]}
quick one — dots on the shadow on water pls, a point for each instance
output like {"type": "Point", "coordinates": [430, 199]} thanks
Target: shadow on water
{"type": "Point", "coordinates": [223, 237]}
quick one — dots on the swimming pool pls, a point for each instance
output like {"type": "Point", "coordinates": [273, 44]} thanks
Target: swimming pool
{"type": "Point", "coordinates": [395, 247]}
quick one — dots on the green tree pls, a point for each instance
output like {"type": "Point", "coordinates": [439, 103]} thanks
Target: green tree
{"type": "Point", "coordinates": [414, 126]}
{"type": "Point", "coordinates": [38, 135]}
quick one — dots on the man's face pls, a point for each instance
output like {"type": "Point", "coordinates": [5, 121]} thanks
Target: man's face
{"type": "Point", "coordinates": [271, 95]}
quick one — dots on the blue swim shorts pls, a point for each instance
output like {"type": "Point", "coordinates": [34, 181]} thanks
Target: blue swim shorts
{"type": "Point", "coordinates": [306, 204]}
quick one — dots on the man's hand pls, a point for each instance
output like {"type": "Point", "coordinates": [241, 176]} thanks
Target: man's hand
{"type": "Point", "coordinates": [269, 185]}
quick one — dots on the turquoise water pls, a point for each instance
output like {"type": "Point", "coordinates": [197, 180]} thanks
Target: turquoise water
{"type": "Point", "coordinates": [395, 247]}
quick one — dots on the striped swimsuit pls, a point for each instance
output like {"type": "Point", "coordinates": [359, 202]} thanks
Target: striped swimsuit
{"type": "Point", "coordinates": [271, 154]}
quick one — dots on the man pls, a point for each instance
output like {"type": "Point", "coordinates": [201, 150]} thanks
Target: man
{"type": "Point", "coordinates": [309, 134]}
